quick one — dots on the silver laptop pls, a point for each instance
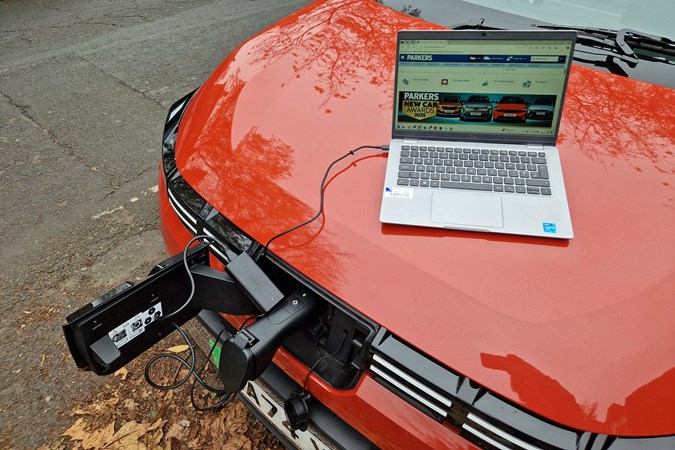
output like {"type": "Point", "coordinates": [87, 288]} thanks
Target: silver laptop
{"type": "Point", "coordinates": [476, 118]}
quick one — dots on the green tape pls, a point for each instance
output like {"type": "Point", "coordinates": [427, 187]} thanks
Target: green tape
{"type": "Point", "coordinates": [215, 352]}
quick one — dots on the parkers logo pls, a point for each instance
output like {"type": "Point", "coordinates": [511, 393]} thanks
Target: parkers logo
{"type": "Point", "coordinates": [419, 58]}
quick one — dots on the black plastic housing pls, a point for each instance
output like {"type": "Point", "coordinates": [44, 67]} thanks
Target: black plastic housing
{"type": "Point", "coordinates": [89, 331]}
{"type": "Point", "coordinates": [247, 354]}
{"type": "Point", "coordinates": [254, 282]}
{"type": "Point", "coordinates": [121, 324]}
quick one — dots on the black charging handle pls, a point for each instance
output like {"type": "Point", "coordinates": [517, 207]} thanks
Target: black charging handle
{"type": "Point", "coordinates": [247, 354]}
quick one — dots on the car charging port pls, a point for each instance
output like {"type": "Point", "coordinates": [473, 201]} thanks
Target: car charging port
{"type": "Point", "coordinates": [332, 325]}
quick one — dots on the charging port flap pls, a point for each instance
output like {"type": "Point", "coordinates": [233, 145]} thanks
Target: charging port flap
{"type": "Point", "coordinates": [115, 328]}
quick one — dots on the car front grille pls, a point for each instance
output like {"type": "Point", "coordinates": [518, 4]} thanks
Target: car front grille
{"type": "Point", "coordinates": [411, 387]}
{"type": "Point", "coordinates": [479, 415]}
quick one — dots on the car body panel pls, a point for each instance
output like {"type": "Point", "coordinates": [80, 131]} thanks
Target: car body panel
{"type": "Point", "coordinates": [368, 406]}
{"type": "Point", "coordinates": [547, 324]}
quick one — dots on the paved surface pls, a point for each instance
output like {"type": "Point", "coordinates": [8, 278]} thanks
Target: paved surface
{"type": "Point", "coordinates": [84, 89]}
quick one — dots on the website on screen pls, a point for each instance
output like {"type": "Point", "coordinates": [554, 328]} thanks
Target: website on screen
{"type": "Point", "coordinates": [510, 87]}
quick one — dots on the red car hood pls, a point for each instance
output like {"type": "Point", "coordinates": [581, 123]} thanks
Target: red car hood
{"type": "Point", "coordinates": [580, 331]}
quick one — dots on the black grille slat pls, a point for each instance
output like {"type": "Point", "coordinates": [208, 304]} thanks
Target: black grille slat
{"type": "Point", "coordinates": [411, 387]}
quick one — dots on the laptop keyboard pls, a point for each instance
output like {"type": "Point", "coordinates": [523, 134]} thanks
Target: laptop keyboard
{"type": "Point", "coordinates": [518, 172]}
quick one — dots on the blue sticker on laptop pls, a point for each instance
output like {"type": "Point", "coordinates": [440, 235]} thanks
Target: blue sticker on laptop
{"type": "Point", "coordinates": [549, 228]}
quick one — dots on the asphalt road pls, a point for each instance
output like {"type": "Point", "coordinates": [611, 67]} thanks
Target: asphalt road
{"type": "Point", "coordinates": [84, 90]}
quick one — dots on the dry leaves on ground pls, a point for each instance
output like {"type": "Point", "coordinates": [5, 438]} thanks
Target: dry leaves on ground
{"type": "Point", "coordinates": [129, 436]}
{"type": "Point", "coordinates": [127, 414]}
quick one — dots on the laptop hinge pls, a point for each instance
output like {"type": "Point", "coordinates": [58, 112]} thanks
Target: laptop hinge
{"type": "Point", "coordinates": [535, 147]}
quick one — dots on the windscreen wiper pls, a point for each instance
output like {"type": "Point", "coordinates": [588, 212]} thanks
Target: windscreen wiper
{"type": "Point", "coordinates": [625, 44]}
{"type": "Point", "coordinates": [616, 51]}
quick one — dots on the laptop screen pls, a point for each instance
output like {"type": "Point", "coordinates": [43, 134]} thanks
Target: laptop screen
{"type": "Point", "coordinates": [501, 87]}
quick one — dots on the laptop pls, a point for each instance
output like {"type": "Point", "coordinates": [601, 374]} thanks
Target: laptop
{"type": "Point", "coordinates": [476, 119]}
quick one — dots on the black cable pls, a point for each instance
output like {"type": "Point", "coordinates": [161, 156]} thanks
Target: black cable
{"type": "Point", "coordinates": [318, 338]}
{"type": "Point", "coordinates": [316, 363]}
{"type": "Point", "coordinates": [225, 399]}
{"type": "Point", "coordinates": [321, 192]}
{"type": "Point", "coordinates": [190, 366]}
{"type": "Point", "coordinates": [189, 273]}
{"type": "Point", "coordinates": [248, 319]}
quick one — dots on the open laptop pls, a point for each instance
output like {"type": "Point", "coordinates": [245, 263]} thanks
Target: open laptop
{"type": "Point", "coordinates": [476, 118]}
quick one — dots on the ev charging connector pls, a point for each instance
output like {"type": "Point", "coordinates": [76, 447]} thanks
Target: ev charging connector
{"type": "Point", "coordinates": [247, 354]}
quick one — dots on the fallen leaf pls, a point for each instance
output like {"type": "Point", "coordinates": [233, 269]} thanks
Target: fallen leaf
{"type": "Point", "coordinates": [178, 348]}
{"type": "Point", "coordinates": [154, 439]}
{"type": "Point", "coordinates": [126, 438]}
{"type": "Point", "coordinates": [57, 444]}
{"type": "Point", "coordinates": [91, 439]}
{"type": "Point", "coordinates": [99, 438]}
{"type": "Point", "coordinates": [159, 413]}
{"type": "Point", "coordinates": [77, 431]}
{"type": "Point", "coordinates": [237, 442]}
{"type": "Point", "coordinates": [122, 373]}
{"type": "Point", "coordinates": [104, 404]}
{"type": "Point", "coordinates": [177, 432]}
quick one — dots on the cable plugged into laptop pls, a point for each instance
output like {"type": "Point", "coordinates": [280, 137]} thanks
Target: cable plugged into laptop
{"type": "Point", "coordinates": [384, 148]}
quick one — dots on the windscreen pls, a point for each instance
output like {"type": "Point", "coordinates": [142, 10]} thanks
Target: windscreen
{"type": "Point", "coordinates": [500, 87]}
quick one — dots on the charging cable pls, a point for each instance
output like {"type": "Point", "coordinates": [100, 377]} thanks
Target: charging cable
{"type": "Point", "coordinates": [190, 365]}
{"type": "Point", "coordinates": [296, 407]}
{"type": "Point", "coordinates": [321, 192]}
{"type": "Point", "coordinates": [226, 397]}
{"type": "Point", "coordinates": [228, 253]}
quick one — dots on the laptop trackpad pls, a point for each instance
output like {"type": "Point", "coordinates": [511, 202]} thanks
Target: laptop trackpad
{"type": "Point", "coordinates": [467, 209]}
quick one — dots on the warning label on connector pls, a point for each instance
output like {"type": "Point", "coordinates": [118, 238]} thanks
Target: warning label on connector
{"type": "Point", "coordinates": [135, 326]}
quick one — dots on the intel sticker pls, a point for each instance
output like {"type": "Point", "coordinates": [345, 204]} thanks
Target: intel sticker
{"type": "Point", "coordinates": [549, 228]}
